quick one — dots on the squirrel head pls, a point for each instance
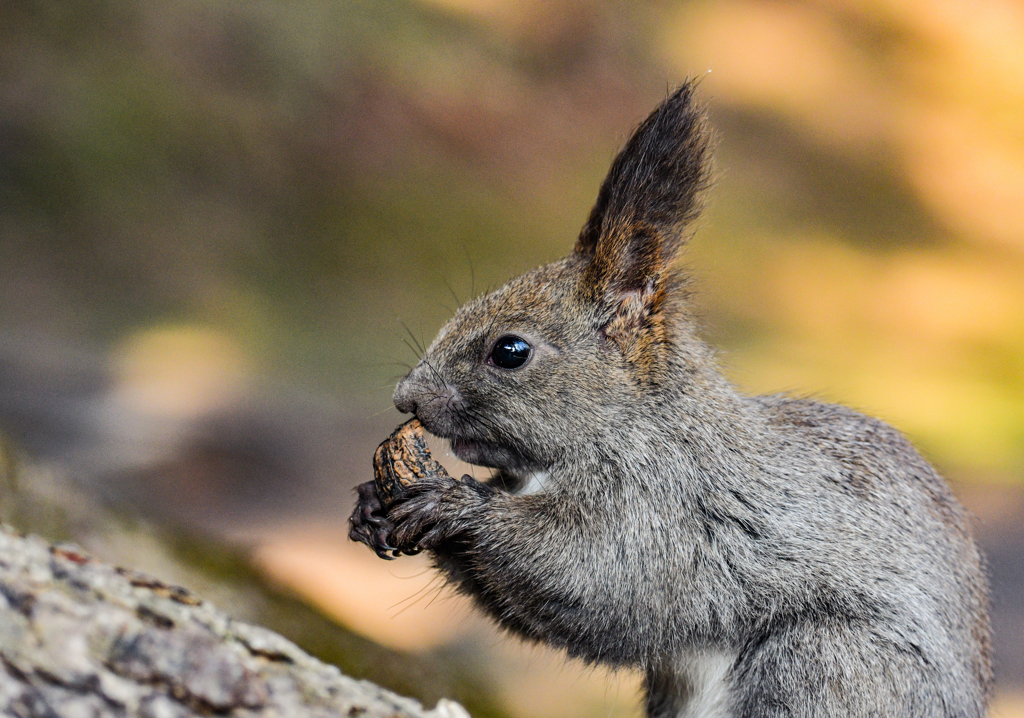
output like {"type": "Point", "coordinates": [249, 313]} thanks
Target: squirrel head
{"type": "Point", "coordinates": [522, 378]}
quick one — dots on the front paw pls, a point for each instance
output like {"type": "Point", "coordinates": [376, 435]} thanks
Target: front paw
{"type": "Point", "coordinates": [368, 523]}
{"type": "Point", "coordinates": [435, 509]}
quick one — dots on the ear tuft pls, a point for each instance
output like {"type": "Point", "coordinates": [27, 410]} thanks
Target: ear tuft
{"type": "Point", "coordinates": [652, 191]}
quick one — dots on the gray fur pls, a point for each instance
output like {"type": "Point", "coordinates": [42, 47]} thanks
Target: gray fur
{"type": "Point", "coordinates": [751, 556]}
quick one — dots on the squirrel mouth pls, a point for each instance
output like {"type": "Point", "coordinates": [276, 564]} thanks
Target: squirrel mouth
{"type": "Point", "coordinates": [472, 452]}
{"type": "Point", "coordinates": [487, 454]}
{"type": "Point", "coordinates": [481, 452]}
{"type": "Point", "coordinates": [509, 475]}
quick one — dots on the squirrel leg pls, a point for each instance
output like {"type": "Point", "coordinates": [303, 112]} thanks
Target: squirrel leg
{"type": "Point", "coordinates": [526, 562]}
{"type": "Point", "coordinates": [840, 668]}
{"type": "Point", "coordinates": [435, 508]}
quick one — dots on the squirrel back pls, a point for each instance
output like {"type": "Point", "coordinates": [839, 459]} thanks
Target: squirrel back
{"type": "Point", "coordinates": [752, 556]}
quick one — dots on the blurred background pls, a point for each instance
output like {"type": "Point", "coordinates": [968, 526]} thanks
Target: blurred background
{"type": "Point", "coordinates": [225, 227]}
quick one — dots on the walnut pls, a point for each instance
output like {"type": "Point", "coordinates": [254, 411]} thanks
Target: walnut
{"type": "Point", "coordinates": [401, 459]}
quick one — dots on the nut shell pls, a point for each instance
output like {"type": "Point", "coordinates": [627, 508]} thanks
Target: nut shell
{"type": "Point", "coordinates": [401, 460]}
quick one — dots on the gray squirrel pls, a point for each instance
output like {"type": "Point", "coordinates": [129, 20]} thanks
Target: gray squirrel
{"type": "Point", "coordinates": [750, 556]}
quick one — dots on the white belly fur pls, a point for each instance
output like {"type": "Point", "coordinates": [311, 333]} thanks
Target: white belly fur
{"type": "Point", "coordinates": [707, 678]}
{"type": "Point", "coordinates": [534, 483]}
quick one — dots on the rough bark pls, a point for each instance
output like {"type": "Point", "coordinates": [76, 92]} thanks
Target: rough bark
{"type": "Point", "coordinates": [81, 638]}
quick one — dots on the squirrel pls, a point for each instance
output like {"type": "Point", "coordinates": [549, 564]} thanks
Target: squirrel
{"type": "Point", "coordinates": [750, 555]}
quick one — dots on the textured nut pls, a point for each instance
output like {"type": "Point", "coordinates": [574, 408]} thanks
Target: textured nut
{"type": "Point", "coordinates": [401, 460]}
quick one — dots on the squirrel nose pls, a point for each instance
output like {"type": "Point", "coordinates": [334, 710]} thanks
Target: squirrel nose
{"type": "Point", "coordinates": [404, 399]}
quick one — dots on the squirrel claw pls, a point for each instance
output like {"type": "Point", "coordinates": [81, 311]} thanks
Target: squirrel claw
{"type": "Point", "coordinates": [431, 539]}
{"type": "Point", "coordinates": [369, 525]}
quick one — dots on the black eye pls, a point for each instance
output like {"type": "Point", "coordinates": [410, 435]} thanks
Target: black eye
{"type": "Point", "coordinates": [510, 352]}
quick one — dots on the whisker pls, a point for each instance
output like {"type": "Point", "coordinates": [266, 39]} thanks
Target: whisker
{"type": "Point", "coordinates": [419, 344]}
{"type": "Point", "coordinates": [433, 588]}
{"type": "Point", "coordinates": [458, 302]}
{"type": "Point", "coordinates": [472, 271]}
{"type": "Point", "coordinates": [412, 349]}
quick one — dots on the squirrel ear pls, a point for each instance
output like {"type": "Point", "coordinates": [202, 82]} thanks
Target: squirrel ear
{"type": "Point", "coordinates": [652, 190]}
